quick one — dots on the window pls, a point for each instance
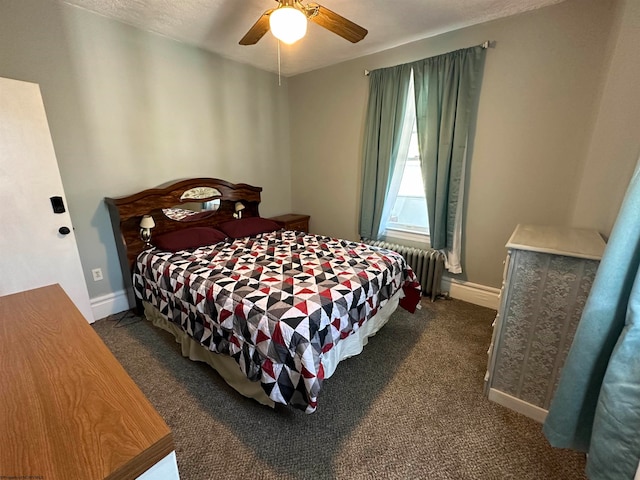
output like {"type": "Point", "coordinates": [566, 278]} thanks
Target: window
{"type": "Point", "coordinates": [408, 205]}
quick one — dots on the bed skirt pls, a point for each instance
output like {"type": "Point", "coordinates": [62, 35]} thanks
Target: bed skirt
{"type": "Point", "coordinates": [229, 369]}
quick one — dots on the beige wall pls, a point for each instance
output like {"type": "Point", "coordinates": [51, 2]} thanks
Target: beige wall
{"type": "Point", "coordinates": [538, 105]}
{"type": "Point", "coordinates": [615, 144]}
{"type": "Point", "coordinates": [130, 110]}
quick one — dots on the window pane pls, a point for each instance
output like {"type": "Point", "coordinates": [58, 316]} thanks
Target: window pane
{"type": "Point", "coordinates": [409, 210]}
{"type": "Point", "coordinates": [409, 213]}
{"type": "Point", "coordinates": [414, 150]}
{"type": "Point", "coordinates": [411, 184]}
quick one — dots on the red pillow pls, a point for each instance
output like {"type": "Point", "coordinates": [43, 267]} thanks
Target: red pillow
{"type": "Point", "coordinates": [247, 227]}
{"type": "Point", "coordinates": [188, 238]}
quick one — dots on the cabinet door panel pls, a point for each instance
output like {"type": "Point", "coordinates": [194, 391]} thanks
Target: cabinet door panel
{"type": "Point", "coordinates": [546, 296]}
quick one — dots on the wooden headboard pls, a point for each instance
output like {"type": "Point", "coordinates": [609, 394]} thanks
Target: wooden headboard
{"type": "Point", "coordinates": [126, 213]}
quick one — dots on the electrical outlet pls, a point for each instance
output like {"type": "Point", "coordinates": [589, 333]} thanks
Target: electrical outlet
{"type": "Point", "coordinates": [97, 274]}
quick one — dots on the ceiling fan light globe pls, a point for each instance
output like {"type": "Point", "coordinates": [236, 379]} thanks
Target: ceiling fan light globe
{"type": "Point", "coordinates": [288, 24]}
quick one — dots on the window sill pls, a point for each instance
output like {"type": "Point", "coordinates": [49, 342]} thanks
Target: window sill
{"type": "Point", "coordinates": [405, 237]}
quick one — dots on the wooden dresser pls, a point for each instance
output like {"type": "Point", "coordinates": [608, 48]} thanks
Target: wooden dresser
{"type": "Point", "coordinates": [293, 221]}
{"type": "Point", "coordinates": [68, 410]}
{"type": "Point", "coordinates": [547, 277]}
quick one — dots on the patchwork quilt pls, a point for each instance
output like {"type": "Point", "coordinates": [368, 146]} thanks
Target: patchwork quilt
{"type": "Point", "coordinates": [275, 302]}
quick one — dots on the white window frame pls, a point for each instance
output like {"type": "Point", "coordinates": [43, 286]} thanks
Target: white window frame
{"type": "Point", "coordinates": [401, 236]}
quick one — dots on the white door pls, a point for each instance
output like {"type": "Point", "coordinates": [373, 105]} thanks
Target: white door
{"type": "Point", "coordinates": [34, 248]}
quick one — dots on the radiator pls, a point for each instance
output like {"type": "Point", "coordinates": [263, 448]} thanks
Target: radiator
{"type": "Point", "coordinates": [428, 265]}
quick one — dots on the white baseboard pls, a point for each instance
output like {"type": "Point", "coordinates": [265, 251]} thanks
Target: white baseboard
{"type": "Point", "coordinates": [472, 292]}
{"type": "Point", "coordinates": [517, 405]}
{"type": "Point", "coordinates": [111, 304]}
{"type": "Point", "coordinates": [475, 293]}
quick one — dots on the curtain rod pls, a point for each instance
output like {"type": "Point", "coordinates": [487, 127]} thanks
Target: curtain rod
{"type": "Point", "coordinates": [485, 45]}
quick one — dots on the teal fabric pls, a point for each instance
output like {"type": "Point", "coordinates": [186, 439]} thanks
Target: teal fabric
{"type": "Point", "coordinates": [447, 88]}
{"type": "Point", "coordinates": [388, 91]}
{"type": "Point", "coordinates": [596, 407]}
{"type": "Point", "coordinates": [397, 173]}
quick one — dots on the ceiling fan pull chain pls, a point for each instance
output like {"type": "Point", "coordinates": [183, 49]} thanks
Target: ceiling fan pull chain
{"type": "Point", "coordinates": [279, 84]}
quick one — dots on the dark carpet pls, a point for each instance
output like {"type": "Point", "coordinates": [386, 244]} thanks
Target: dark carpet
{"type": "Point", "coordinates": [410, 406]}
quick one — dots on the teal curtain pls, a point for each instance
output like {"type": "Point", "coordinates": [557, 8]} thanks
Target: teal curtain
{"type": "Point", "coordinates": [596, 407]}
{"type": "Point", "coordinates": [447, 88]}
{"type": "Point", "coordinates": [388, 91]}
{"type": "Point", "coordinates": [396, 174]}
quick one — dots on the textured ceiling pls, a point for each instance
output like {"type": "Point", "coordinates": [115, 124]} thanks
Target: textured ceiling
{"type": "Point", "coordinates": [218, 25]}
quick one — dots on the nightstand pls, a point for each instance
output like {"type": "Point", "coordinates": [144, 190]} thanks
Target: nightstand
{"type": "Point", "coordinates": [293, 221]}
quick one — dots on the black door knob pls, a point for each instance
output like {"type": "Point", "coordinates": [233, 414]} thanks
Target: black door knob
{"type": "Point", "coordinates": [64, 230]}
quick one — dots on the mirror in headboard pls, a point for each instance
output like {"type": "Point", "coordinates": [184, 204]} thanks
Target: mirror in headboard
{"type": "Point", "coordinates": [195, 203]}
{"type": "Point", "coordinates": [212, 201]}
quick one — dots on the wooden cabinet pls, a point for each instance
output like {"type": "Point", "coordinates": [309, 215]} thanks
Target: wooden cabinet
{"type": "Point", "coordinates": [547, 277]}
{"type": "Point", "coordinates": [68, 409]}
{"type": "Point", "coordinates": [293, 221]}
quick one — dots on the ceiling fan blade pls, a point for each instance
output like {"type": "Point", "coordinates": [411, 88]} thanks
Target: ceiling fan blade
{"type": "Point", "coordinates": [258, 30]}
{"type": "Point", "coordinates": [338, 24]}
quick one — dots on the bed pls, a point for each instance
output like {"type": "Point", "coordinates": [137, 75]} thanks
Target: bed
{"type": "Point", "coordinates": [273, 311]}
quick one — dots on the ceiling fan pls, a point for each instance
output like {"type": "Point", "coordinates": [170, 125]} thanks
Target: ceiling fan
{"type": "Point", "coordinates": [288, 23]}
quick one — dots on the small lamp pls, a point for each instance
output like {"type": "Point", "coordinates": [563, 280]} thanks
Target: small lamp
{"type": "Point", "coordinates": [288, 23]}
{"type": "Point", "coordinates": [146, 224]}
{"type": "Point", "coordinates": [239, 207]}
